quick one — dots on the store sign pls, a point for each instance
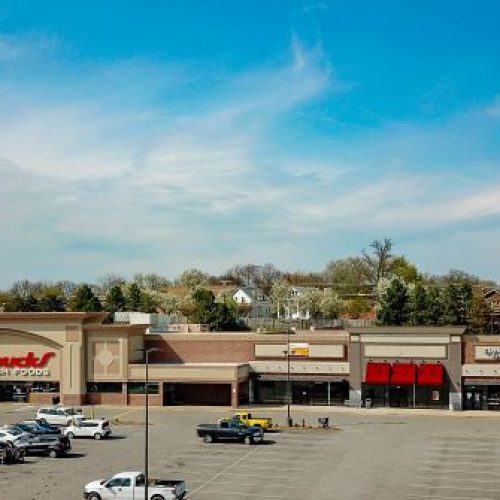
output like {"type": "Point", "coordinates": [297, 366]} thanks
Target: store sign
{"type": "Point", "coordinates": [487, 352]}
{"type": "Point", "coordinates": [300, 350]}
{"type": "Point", "coordinates": [28, 365]}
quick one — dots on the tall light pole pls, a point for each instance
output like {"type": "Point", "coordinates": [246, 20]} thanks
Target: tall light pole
{"type": "Point", "coordinates": [147, 352]}
{"type": "Point", "coordinates": [288, 381]}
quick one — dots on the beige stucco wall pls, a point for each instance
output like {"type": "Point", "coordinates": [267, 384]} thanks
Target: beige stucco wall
{"type": "Point", "coordinates": [185, 373]}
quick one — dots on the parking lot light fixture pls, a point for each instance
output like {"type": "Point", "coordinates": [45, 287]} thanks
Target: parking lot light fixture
{"type": "Point", "coordinates": [147, 352]}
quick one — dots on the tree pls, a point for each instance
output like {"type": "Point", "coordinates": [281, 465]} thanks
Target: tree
{"type": "Point", "coordinates": [456, 300]}
{"type": "Point", "coordinates": [24, 288]}
{"type": "Point", "coordinates": [379, 261]}
{"type": "Point", "coordinates": [312, 301]}
{"type": "Point", "coordinates": [134, 298]}
{"type": "Point", "coordinates": [193, 278]}
{"type": "Point", "coordinates": [204, 301]}
{"type": "Point", "coordinates": [417, 305]}
{"type": "Point", "coordinates": [357, 306]}
{"type": "Point", "coordinates": [85, 300]}
{"type": "Point", "coordinates": [405, 270]}
{"type": "Point", "coordinates": [394, 304]}
{"type": "Point", "coordinates": [479, 316]}
{"type": "Point", "coordinates": [51, 299]}
{"type": "Point", "coordinates": [151, 281]}
{"type": "Point", "coordinates": [111, 280]}
{"type": "Point", "coordinates": [115, 300]}
{"type": "Point", "coordinates": [280, 293]}
{"type": "Point", "coordinates": [435, 306]}
{"type": "Point", "coordinates": [148, 303]}
{"type": "Point", "coordinates": [348, 276]}
{"type": "Point", "coordinates": [331, 304]}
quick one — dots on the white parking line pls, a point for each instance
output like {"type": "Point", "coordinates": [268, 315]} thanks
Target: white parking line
{"type": "Point", "coordinates": [236, 494]}
{"type": "Point", "coordinates": [460, 471]}
{"type": "Point", "coordinates": [206, 483]}
{"type": "Point", "coordinates": [459, 488]}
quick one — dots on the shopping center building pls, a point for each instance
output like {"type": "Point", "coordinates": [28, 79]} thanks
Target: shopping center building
{"type": "Point", "coordinates": [77, 358]}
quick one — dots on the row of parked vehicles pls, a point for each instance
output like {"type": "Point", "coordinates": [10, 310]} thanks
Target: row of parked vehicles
{"type": "Point", "coordinates": [49, 434]}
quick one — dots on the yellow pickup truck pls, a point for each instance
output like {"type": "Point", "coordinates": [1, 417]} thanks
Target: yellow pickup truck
{"type": "Point", "coordinates": [247, 419]}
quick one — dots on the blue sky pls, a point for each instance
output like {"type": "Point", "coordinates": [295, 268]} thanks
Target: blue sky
{"type": "Point", "coordinates": [160, 135]}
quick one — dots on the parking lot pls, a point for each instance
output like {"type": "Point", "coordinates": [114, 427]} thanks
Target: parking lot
{"type": "Point", "coordinates": [368, 457]}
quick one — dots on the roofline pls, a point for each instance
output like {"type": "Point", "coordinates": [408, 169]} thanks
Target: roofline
{"type": "Point", "coordinates": [53, 317]}
{"type": "Point", "coordinates": [422, 330]}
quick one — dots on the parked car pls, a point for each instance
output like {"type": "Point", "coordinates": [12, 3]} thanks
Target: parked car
{"type": "Point", "coordinates": [88, 428]}
{"type": "Point", "coordinates": [248, 419]}
{"type": "Point", "coordinates": [230, 431]}
{"type": "Point", "coordinates": [34, 427]}
{"type": "Point", "coordinates": [130, 485]}
{"type": "Point", "coordinates": [10, 454]}
{"type": "Point", "coordinates": [59, 415]}
{"type": "Point", "coordinates": [53, 446]}
{"type": "Point", "coordinates": [11, 435]}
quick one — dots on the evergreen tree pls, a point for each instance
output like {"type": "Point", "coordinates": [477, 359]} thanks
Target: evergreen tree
{"type": "Point", "coordinates": [85, 300]}
{"type": "Point", "coordinates": [115, 300]}
{"type": "Point", "coordinates": [134, 298]}
{"type": "Point", "coordinates": [435, 306]}
{"type": "Point", "coordinates": [148, 303]}
{"type": "Point", "coordinates": [51, 299]}
{"type": "Point", "coordinates": [417, 305]}
{"type": "Point", "coordinates": [457, 301]}
{"type": "Point", "coordinates": [394, 304]}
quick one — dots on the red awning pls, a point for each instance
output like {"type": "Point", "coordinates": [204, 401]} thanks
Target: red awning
{"type": "Point", "coordinates": [430, 374]}
{"type": "Point", "coordinates": [377, 373]}
{"type": "Point", "coordinates": [403, 374]}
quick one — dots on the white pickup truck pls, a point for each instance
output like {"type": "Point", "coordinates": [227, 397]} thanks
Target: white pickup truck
{"type": "Point", "coordinates": [130, 486]}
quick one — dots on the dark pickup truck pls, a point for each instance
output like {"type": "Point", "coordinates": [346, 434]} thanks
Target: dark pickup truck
{"type": "Point", "coordinates": [230, 431]}
{"type": "Point", "coordinates": [53, 446]}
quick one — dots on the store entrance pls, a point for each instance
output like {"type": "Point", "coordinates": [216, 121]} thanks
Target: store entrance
{"type": "Point", "coordinates": [399, 397]}
{"type": "Point", "coordinates": [473, 399]}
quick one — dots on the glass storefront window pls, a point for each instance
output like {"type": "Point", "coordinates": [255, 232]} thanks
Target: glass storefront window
{"type": "Point", "coordinates": [140, 388]}
{"type": "Point", "coordinates": [104, 387]}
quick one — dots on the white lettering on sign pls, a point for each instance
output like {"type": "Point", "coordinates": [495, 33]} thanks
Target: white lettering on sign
{"type": "Point", "coordinates": [24, 372]}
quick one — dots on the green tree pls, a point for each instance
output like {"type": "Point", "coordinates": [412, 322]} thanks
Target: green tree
{"type": "Point", "coordinates": [204, 311]}
{"type": "Point", "coordinates": [435, 306]}
{"type": "Point", "coordinates": [148, 303]}
{"type": "Point", "coordinates": [348, 276]}
{"type": "Point", "coordinates": [85, 300]}
{"type": "Point", "coordinates": [479, 316]}
{"type": "Point", "coordinates": [457, 300]}
{"type": "Point", "coordinates": [115, 300]}
{"type": "Point", "coordinates": [134, 297]}
{"type": "Point", "coordinates": [418, 305]}
{"type": "Point", "coordinates": [51, 299]}
{"type": "Point", "coordinates": [405, 270]}
{"type": "Point", "coordinates": [394, 304]}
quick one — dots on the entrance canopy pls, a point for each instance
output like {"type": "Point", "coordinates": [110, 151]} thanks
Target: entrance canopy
{"type": "Point", "coordinates": [403, 374]}
{"type": "Point", "coordinates": [430, 374]}
{"type": "Point", "coordinates": [377, 373]}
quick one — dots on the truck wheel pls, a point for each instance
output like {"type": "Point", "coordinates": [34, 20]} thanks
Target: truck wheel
{"type": "Point", "coordinates": [94, 496]}
{"type": "Point", "coordinates": [248, 440]}
{"type": "Point", "coordinates": [70, 435]}
{"type": "Point", "coordinates": [52, 453]}
{"type": "Point", "coordinates": [208, 438]}
{"type": "Point", "coordinates": [97, 436]}
{"type": "Point", "coordinates": [157, 497]}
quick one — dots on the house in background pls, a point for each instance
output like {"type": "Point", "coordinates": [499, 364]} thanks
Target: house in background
{"type": "Point", "coordinates": [259, 306]}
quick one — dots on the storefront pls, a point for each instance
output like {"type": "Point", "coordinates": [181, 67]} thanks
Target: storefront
{"type": "Point", "coordinates": [406, 367]}
{"type": "Point", "coordinates": [481, 372]}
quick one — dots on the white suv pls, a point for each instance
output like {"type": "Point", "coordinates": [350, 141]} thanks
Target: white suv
{"type": "Point", "coordinates": [88, 428]}
{"type": "Point", "coordinates": [60, 415]}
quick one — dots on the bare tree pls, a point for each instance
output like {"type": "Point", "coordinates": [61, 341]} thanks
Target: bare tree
{"type": "Point", "coordinates": [380, 260]}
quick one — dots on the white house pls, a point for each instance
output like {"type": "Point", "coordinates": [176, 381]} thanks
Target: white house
{"type": "Point", "coordinates": [260, 304]}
